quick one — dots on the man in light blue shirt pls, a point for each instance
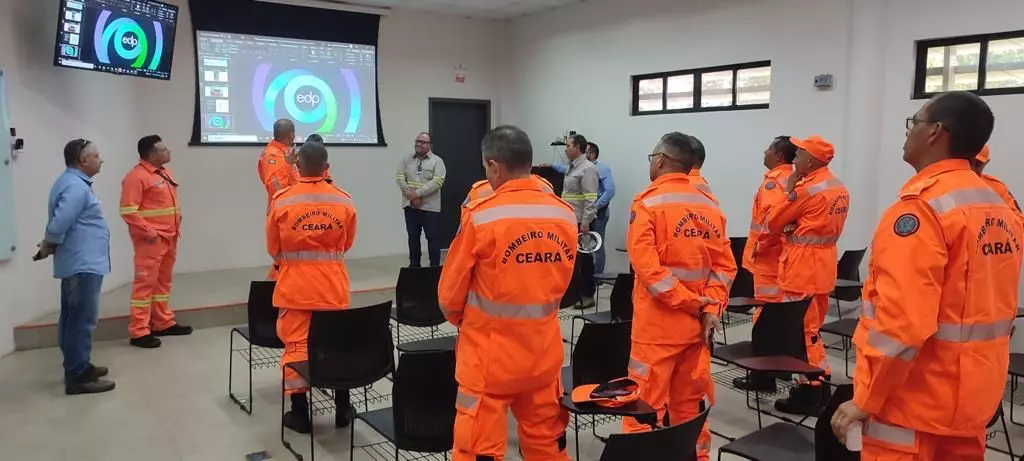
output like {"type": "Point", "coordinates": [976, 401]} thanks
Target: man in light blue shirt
{"type": "Point", "coordinates": [79, 240]}
{"type": "Point", "coordinates": [606, 191]}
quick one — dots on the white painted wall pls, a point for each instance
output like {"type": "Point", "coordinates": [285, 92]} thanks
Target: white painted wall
{"type": "Point", "coordinates": [223, 201]}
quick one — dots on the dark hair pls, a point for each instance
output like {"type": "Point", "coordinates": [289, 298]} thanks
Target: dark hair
{"type": "Point", "coordinates": [597, 150]}
{"type": "Point", "coordinates": [698, 151]}
{"type": "Point", "coordinates": [315, 138]}
{"type": "Point", "coordinates": [784, 146]}
{"type": "Point", "coordinates": [579, 141]}
{"type": "Point", "coordinates": [428, 135]}
{"type": "Point", "coordinates": [509, 146]}
{"type": "Point", "coordinates": [147, 144]}
{"type": "Point", "coordinates": [282, 127]}
{"type": "Point", "coordinates": [73, 151]}
{"type": "Point", "coordinates": [968, 119]}
{"type": "Point", "coordinates": [678, 147]}
{"type": "Point", "coordinates": [313, 155]}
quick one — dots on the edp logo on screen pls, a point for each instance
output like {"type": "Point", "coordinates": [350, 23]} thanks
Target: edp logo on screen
{"type": "Point", "coordinates": [129, 41]}
{"type": "Point", "coordinates": [306, 98]}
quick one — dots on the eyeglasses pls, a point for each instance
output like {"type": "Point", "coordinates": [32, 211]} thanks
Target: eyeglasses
{"type": "Point", "coordinates": [422, 142]}
{"type": "Point", "coordinates": [911, 121]}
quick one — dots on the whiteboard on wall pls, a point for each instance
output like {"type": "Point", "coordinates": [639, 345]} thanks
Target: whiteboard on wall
{"type": "Point", "coordinates": [7, 236]}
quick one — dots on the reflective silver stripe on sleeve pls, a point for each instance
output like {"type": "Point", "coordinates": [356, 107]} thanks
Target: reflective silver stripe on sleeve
{"type": "Point", "coordinates": [638, 368]}
{"type": "Point", "coordinates": [971, 332]}
{"type": "Point", "coordinates": [758, 228]}
{"type": "Point", "coordinates": [722, 277]}
{"type": "Point", "coordinates": [811, 239]}
{"type": "Point", "coordinates": [512, 311]}
{"type": "Point", "coordinates": [767, 290]}
{"type": "Point", "coordinates": [275, 185]}
{"type": "Point", "coordinates": [679, 198]}
{"type": "Point", "coordinates": [662, 286]}
{"type": "Point", "coordinates": [689, 275]}
{"type": "Point", "coordinates": [896, 435]}
{"type": "Point", "coordinates": [703, 187]}
{"type": "Point", "coordinates": [313, 198]}
{"type": "Point", "coordinates": [867, 310]}
{"type": "Point", "coordinates": [793, 297]}
{"type": "Point", "coordinates": [524, 212]}
{"type": "Point", "coordinates": [823, 186]}
{"type": "Point", "coordinates": [312, 256]}
{"type": "Point", "coordinates": [467, 401]}
{"type": "Point", "coordinates": [890, 347]}
{"type": "Point", "coordinates": [963, 197]}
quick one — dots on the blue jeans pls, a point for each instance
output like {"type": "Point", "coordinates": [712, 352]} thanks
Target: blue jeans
{"type": "Point", "coordinates": [600, 225]}
{"type": "Point", "coordinates": [427, 221]}
{"type": "Point", "coordinates": [79, 309]}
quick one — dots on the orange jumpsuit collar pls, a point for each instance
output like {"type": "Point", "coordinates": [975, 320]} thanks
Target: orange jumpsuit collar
{"type": "Point", "coordinates": [527, 183]}
{"type": "Point", "coordinates": [669, 177]}
{"type": "Point", "coordinates": [694, 172]}
{"type": "Point", "coordinates": [937, 168]}
{"type": "Point", "coordinates": [785, 167]}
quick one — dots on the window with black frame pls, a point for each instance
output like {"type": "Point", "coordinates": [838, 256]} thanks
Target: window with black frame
{"type": "Point", "coordinates": [988, 64]}
{"type": "Point", "coordinates": [710, 89]}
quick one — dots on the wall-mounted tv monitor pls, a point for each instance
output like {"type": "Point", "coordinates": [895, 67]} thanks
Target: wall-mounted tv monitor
{"type": "Point", "coordinates": [124, 37]}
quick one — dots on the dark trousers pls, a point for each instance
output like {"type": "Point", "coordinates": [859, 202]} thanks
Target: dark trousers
{"type": "Point", "coordinates": [426, 221]}
{"type": "Point", "coordinates": [79, 309]}
{"type": "Point", "coordinates": [600, 225]}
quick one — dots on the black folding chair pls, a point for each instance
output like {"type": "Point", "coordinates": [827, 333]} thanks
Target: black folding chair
{"type": "Point", "coordinates": [1016, 371]}
{"type": "Point", "coordinates": [779, 441]}
{"type": "Point", "coordinates": [741, 294]}
{"type": "Point", "coordinates": [263, 345]}
{"type": "Point", "coordinates": [676, 443]}
{"type": "Point", "coordinates": [999, 417]}
{"type": "Point", "coordinates": [348, 349]}
{"type": "Point", "coordinates": [423, 416]}
{"type": "Point", "coordinates": [848, 287]}
{"type": "Point", "coordinates": [416, 305]}
{"type": "Point", "coordinates": [621, 308]}
{"type": "Point", "coordinates": [601, 355]}
{"type": "Point", "coordinates": [845, 329]}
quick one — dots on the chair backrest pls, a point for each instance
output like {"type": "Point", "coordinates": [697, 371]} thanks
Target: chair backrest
{"type": "Point", "coordinates": [574, 291]}
{"type": "Point", "coordinates": [848, 267]}
{"type": "Point", "coordinates": [779, 330]}
{"type": "Point", "coordinates": [424, 401]}
{"type": "Point", "coordinates": [622, 297]}
{"type": "Point", "coordinates": [601, 353]}
{"type": "Point", "coordinates": [416, 297]}
{"type": "Point", "coordinates": [263, 315]}
{"type": "Point", "coordinates": [743, 284]}
{"type": "Point", "coordinates": [350, 348]}
{"type": "Point", "coordinates": [676, 443]}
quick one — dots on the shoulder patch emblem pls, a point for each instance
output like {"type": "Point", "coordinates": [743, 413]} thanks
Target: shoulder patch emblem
{"type": "Point", "coordinates": [906, 225]}
{"type": "Point", "coordinates": [632, 216]}
{"type": "Point", "coordinates": [770, 185]}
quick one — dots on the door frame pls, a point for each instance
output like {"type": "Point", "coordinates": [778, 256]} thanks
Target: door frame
{"type": "Point", "coordinates": [432, 101]}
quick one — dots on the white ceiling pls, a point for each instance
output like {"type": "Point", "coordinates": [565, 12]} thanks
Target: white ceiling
{"type": "Point", "coordinates": [481, 9]}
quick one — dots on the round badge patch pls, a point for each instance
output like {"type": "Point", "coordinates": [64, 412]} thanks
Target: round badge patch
{"type": "Point", "coordinates": [632, 216]}
{"type": "Point", "coordinates": [769, 186]}
{"type": "Point", "coordinates": [906, 225]}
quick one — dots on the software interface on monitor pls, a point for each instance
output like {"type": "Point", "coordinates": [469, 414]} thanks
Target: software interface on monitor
{"type": "Point", "coordinates": [247, 82]}
{"type": "Point", "coordinates": [130, 37]}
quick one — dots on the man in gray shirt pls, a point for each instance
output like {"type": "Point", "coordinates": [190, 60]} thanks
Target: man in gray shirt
{"type": "Point", "coordinates": [580, 189]}
{"type": "Point", "coordinates": [420, 177]}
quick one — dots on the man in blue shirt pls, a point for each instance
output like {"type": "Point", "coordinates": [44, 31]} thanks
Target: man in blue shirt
{"type": "Point", "coordinates": [606, 191]}
{"type": "Point", "coordinates": [79, 240]}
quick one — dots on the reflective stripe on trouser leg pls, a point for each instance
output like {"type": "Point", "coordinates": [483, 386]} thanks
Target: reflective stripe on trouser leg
{"type": "Point", "coordinates": [162, 317]}
{"type": "Point", "coordinates": [541, 423]}
{"type": "Point", "coordinates": [813, 320]}
{"type": "Point", "coordinates": [147, 270]}
{"type": "Point", "coordinates": [691, 391]}
{"type": "Point", "coordinates": [481, 425]}
{"type": "Point", "coordinates": [293, 330]}
{"type": "Point", "coordinates": [653, 382]}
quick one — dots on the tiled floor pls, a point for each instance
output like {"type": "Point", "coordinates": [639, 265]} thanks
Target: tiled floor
{"type": "Point", "coordinates": [171, 404]}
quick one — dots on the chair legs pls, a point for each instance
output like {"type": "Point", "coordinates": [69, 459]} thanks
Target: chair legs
{"type": "Point", "coordinates": [245, 405]}
{"type": "Point", "coordinates": [1006, 432]}
{"type": "Point", "coordinates": [1013, 392]}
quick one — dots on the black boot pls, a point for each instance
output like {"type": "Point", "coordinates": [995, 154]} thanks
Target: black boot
{"type": "Point", "coordinates": [342, 408]}
{"type": "Point", "coordinates": [805, 400]}
{"type": "Point", "coordinates": [87, 383]}
{"type": "Point", "coordinates": [298, 418]}
{"type": "Point", "coordinates": [756, 382]}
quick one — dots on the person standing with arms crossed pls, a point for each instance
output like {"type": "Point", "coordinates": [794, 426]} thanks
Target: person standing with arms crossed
{"type": "Point", "coordinates": [679, 249]}
{"type": "Point", "coordinates": [310, 227]}
{"type": "Point", "coordinates": [509, 353]}
{"type": "Point", "coordinates": [933, 341]}
{"type": "Point", "coordinates": [78, 237]}
{"type": "Point", "coordinates": [150, 207]}
{"type": "Point", "coordinates": [420, 178]}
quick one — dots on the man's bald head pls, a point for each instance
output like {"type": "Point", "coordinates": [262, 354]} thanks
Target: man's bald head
{"type": "Point", "coordinates": [284, 131]}
{"type": "Point", "coordinates": [312, 159]}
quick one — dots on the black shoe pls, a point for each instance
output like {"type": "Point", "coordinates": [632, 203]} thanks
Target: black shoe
{"type": "Point", "coordinates": [342, 419]}
{"type": "Point", "coordinates": [756, 383]}
{"type": "Point", "coordinates": [95, 386]}
{"type": "Point", "coordinates": [94, 372]}
{"type": "Point", "coordinates": [342, 408]}
{"type": "Point", "coordinates": [146, 342]}
{"type": "Point", "coordinates": [175, 330]}
{"type": "Point", "coordinates": [804, 400]}
{"type": "Point", "coordinates": [298, 418]}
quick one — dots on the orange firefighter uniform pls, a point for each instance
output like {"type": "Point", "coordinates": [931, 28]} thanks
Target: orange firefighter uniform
{"type": "Point", "coordinates": [481, 189]}
{"type": "Point", "coordinates": [1004, 192]}
{"type": "Point", "coordinates": [812, 217]}
{"type": "Point", "coordinates": [699, 182]}
{"type": "Point", "coordinates": [679, 248]}
{"type": "Point", "coordinates": [939, 304]}
{"type": "Point", "coordinates": [310, 227]}
{"type": "Point", "coordinates": [764, 249]}
{"type": "Point", "coordinates": [509, 353]}
{"type": "Point", "coordinates": [149, 205]}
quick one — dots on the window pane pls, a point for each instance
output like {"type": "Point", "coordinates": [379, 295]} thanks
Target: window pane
{"type": "Point", "coordinates": [753, 86]}
{"type": "Point", "coordinates": [952, 68]}
{"type": "Point", "coordinates": [1005, 65]}
{"type": "Point", "coordinates": [716, 89]}
{"type": "Point", "coordinates": [680, 92]}
{"type": "Point", "coordinates": [650, 94]}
